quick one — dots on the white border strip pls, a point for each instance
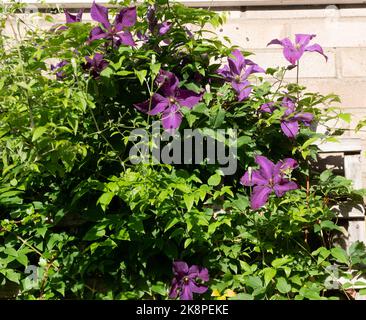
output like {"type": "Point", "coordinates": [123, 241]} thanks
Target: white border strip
{"type": "Point", "coordinates": [194, 3]}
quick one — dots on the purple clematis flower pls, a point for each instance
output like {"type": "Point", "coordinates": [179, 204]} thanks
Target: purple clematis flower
{"type": "Point", "coordinates": [169, 101]}
{"type": "Point", "coordinates": [293, 52]}
{"type": "Point", "coordinates": [117, 32]}
{"type": "Point", "coordinates": [154, 27]}
{"type": "Point", "coordinates": [70, 18]}
{"type": "Point", "coordinates": [237, 71]}
{"type": "Point", "coordinates": [60, 74]}
{"type": "Point", "coordinates": [95, 64]}
{"type": "Point", "coordinates": [269, 178]}
{"type": "Point", "coordinates": [290, 122]}
{"type": "Point", "coordinates": [184, 283]}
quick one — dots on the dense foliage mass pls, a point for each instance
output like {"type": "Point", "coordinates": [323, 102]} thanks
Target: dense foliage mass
{"type": "Point", "coordinates": [80, 220]}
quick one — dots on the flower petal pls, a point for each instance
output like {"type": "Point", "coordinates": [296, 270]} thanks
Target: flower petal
{"type": "Point", "coordinates": [198, 272]}
{"type": "Point", "coordinates": [284, 186]}
{"type": "Point", "coordinates": [97, 33]}
{"type": "Point", "coordinates": [275, 41]}
{"type": "Point", "coordinates": [186, 293]}
{"type": "Point", "coordinates": [304, 117]}
{"type": "Point", "coordinates": [225, 72]}
{"type": "Point", "coordinates": [303, 39]}
{"type": "Point", "coordinates": [187, 98]}
{"type": "Point", "coordinates": [173, 293]}
{"type": "Point", "coordinates": [259, 196]}
{"type": "Point", "coordinates": [268, 107]}
{"type": "Point", "coordinates": [143, 106]}
{"type": "Point", "coordinates": [197, 288]}
{"type": "Point", "coordinates": [255, 68]}
{"type": "Point", "coordinates": [288, 163]}
{"type": "Point", "coordinates": [242, 89]}
{"type": "Point", "coordinates": [164, 27]}
{"type": "Point", "coordinates": [290, 128]}
{"type": "Point", "coordinates": [254, 179]}
{"type": "Point", "coordinates": [168, 82]}
{"type": "Point", "coordinates": [171, 119]}
{"type": "Point", "coordinates": [180, 268]}
{"type": "Point", "coordinates": [289, 105]}
{"type": "Point", "coordinates": [266, 167]}
{"type": "Point", "coordinates": [238, 63]}
{"type": "Point", "coordinates": [100, 14]}
{"type": "Point", "coordinates": [71, 18]}
{"type": "Point", "coordinates": [158, 104]}
{"type": "Point", "coordinates": [316, 48]}
{"type": "Point", "coordinates": [252, 68]}
{"type": "Point", "coordinates": [292, 54]}
{"type": "Point", "coordinates": [125, 38]}
{"type": "Point", "coordinates": [125, 18]}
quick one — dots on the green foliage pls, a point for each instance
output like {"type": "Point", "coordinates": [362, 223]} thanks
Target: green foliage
{"type": "Point", "coordinates": [97, 227]}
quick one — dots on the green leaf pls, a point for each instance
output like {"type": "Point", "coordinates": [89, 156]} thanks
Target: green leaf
{"type": "Point", "coordinates": [141, 75]}
{"type": "Point", "coordinates": [339, 254]}
{"type": "Point", "coordinates": [362, 292]}
{"type": "Point", "coordinates": [345, 117]}
{"type": "Point", "coordinates": [95, 232]}
{"type": "Point", "coordinates": [22, 259]}
{"type": "Point", "coordinates": [107, 72]}
{"type": "Point", "coordinates": [242, 203]}
{"type": "Point", "coordinates": [189, 201]}
{"type": "Point", "coordinates": [155, 68]}
{"type": "Point", "coordinates": [38, 132]}
{"type": "Point", "coordinates": [105, 199]}
{"type": "Point", "coordinates": [187, 243]}
{"type": "Point", "coordinates": [171, 223]}
{"type": "Point", "coordinates": [243, 140]}
{"type": "Point", "coordinates": [254, 282]}
{"type": "Point", "coordinates": [214, 180]}
{"type": "Point", "coordinates": [282, 285]}
{"type": "Point", "coordinates": [219, 119]}
{"type": "Point", "coordinates": [269, 274]}
{"type": "Point", "coordinates": [12, 275]}
{"type": "Point", "coordinates": [159, 288]}
{"type": "Point", "coordinates": [325, 175]}
{"type": "Point", "coordinates": [280, 262]}
{"type": "Point", "coordinates": [242, 296]}
{"type": "Point", "coordinates": [122, 235]}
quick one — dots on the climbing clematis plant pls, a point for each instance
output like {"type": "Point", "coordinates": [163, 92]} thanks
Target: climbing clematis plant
{"type": "Point", "coordinates": [269, 178]}
{"type": "Point", "coordinates": [169, 101]}
{"type": "Point", "coordinates": [112, 205]}
{"type": "Point", "coordinates": [294, 51]}
{"type": "Point", "coordinates": [117, 32]}
{"type": "Point", "coordinates": [237, 72]}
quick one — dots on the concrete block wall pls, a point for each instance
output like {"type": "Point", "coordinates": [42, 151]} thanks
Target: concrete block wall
{"type": "Point", "coordinates": [340, 30]}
